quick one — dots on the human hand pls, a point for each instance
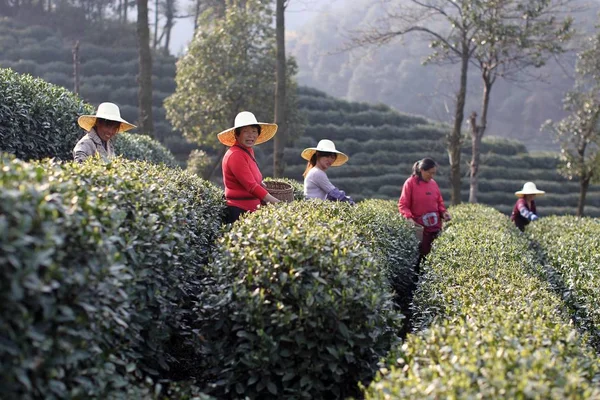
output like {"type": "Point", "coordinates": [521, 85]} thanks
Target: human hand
{"type": "Point", "coordinates": [533, 217]}
{"type": "Point", "coordinates": [446, 216]}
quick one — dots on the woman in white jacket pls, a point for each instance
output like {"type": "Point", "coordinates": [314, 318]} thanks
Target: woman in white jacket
{"type": "Point", "coordinates": [316, 182]}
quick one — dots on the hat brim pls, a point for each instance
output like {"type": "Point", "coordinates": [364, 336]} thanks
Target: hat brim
{"type": "Point", "coordinates": [341, 158]}
{"type": "Point", "coordinates": [267, 131]}
{"type": "Point", "coordinates": [521, 193]}
{"type": "Point", "coordinates": [87, 122]}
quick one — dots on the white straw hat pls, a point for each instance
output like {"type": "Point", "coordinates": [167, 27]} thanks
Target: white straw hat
{"type": "Point", "coordinates": [246, 118]}
{"type": "Point", "coordinates": [326, 146]}
{"type": "Point", "coordinates": [109, 111]}
{"type": "Point", "coordinates": [529, 188]}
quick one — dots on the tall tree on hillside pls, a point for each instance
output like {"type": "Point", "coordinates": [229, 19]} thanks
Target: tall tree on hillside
{"type": "Point", "coordinates": [170, 13]}
{"type": "Point", "coordinates": [228, 68]}
{"type": "Point", "coordinates": [280, 96]}
{"type": "Point", "coordinates": [513, 36]}
{"type": "Point", "coordinates": [579, 133]}
{"type": "Point", "coordinates": [453, 42]}
{"type": "Point", "coordinates": [146, 124]}
{"type": "Point", "coordinates": [200, 6]}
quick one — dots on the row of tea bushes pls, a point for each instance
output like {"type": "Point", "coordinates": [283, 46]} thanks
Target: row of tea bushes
{"type": "Point", "coordinates": [570, 245]}
{"type": "Point", "coordinates": [98, 266]}
{"type": "Point", "coordinates": [489, 323]}
{"type": "Point", "coordinates": [299, 304]}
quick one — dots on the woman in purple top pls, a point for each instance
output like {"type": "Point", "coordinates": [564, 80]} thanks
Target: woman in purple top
{"type": "Point", "coordinates": [316, 182]}
{"type": "Point", "coordinates": [524, 210]}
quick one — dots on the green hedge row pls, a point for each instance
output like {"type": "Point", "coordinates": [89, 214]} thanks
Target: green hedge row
{"type": "Point", "coordinates": [362, 118]}
{"type": "Point", "coordinates": [319, 129]}
{"type": "Point", "coordinates": [571, 246]}
{"type": "Point", "coordinates": [100, 263]}
{"type": "Point", "coordinates": [494, 328]}
{"type": "Point", "coordinates": [380, 224]}
{"type": "Point", "coordinates": [298, 304]}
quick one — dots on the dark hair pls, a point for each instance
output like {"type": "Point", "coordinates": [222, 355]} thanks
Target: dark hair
{"type": "Point", "coordinates": [238, 130]}
{"type": "Point", "coordinates": [108, 122]}
{"type": "Point", "coordinates": [423, 165]}
{"type": "Point", "coordinates": [313, 159]}
{"type": "Point", "coordinates": [320, 154]}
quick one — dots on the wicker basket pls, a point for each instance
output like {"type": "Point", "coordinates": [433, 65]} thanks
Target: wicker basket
{"type": "Point", "coordinates": [280, 190]}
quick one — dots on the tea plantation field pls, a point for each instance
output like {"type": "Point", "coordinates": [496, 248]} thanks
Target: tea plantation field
{"type": "Point", "coordinates": [119, 281]}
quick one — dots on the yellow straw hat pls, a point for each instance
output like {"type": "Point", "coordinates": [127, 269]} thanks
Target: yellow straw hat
{"type": "Point", "coordinates": [246, 118]}
{"type": "Point", "coordinates": [109, 111]}
{"type": "Point", "coordinates": [529, 188]}
{"type": "Point", "coordinates": [326, 146]}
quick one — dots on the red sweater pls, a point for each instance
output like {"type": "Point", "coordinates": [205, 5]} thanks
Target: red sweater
{"type": "Point", "coordinates": [242, 179]}
{"type": "Point", "coordinates": [422, 201]}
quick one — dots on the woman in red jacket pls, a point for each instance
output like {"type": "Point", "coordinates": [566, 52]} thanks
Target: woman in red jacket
{"type": "Point", "coordinates": [421, 202]}
{"type": "Point", "coordinates": [244, 189]}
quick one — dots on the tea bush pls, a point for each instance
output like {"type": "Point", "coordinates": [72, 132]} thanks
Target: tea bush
{"type": "Point", "coordinates": [99, 263]}
{"type": "Point", "coordinates": [144, 148]}
{"type": "Point", "coordinates": [489, 324]}
{"type": "Point", "coordinates": [380, 225]}
{"type": "Point", "coordinates": [571, 247]}
{"type": "Point", "coordinates": [297, 307]}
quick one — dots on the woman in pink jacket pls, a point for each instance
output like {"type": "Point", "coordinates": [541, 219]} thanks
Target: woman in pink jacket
{"type": "Point", "coordinates": [421, 202]}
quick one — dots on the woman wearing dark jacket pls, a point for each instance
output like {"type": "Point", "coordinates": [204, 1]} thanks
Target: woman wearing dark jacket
{"type": "Point", "coordinates": [524, 210]}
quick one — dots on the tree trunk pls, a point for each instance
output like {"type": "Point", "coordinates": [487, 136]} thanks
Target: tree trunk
{"type": "Point", "coordinates": [76, 64]}
{"type": "Point", "coordinates": [197, 15]}
{"type": "Point", "coordinates": [170, 17]}
{"type": "Point", "coordinates": [146, 124]}
{"type": "Point", "coordinates": [584, 184]}
{"type": "Point", "coordinates": [477, 132]}
{"type": "Point", "coordinates": [475, 157]}
{"type": "Point", "coordinates": [280, 93]}
{"type": "Point", "coordinates": [125, 9]}
{"type": "Point", "coordinates": [454, 140]}
{"type": "Point", "coordinates": [154, 42]}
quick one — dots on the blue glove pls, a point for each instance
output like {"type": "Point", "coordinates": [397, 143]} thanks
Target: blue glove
{"type": "Point", "coordinates": [533, 217]}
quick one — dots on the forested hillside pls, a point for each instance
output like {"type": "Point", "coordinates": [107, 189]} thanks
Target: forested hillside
{"type": "Point", "coordinates": [394, 74]}
{"type": "Point", "coordinates": [383, 145]}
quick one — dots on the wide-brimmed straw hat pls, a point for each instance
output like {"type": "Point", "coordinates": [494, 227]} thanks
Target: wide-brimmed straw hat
{"type": "Point", "coordinates": [246, 118]}
{"type": "Point", "coordinates": [325, 146]}
{"type": "Point", "coordinates": [529, 188]}
{"type": "Point", "coordinates": [109, 111]}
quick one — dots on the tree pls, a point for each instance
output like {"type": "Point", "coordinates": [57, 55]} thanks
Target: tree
{"type": "Point", "coordinates": [228, 68]}
{"type": "Point", "coordinates": [451, 27]}
{"type": "Point", "coordinates": [146, 124]}
{"type": "Point", "coordinates": [280, 97]}
{"type": "Point", "coordinates": [513, 36]}
{"type": "Point", "coordinates": [579, 133]}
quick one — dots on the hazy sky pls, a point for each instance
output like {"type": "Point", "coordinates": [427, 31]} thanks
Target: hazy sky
{"type": "Point", "coordinates": [297, 13]}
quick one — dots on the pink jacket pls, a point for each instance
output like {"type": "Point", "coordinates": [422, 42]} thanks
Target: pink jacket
{"type": "Point", "coordinates": [422, 201]}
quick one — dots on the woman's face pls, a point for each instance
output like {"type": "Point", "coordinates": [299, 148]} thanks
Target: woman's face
{"type": "Point", "coordinates": [248, 136]}
{"type": "Point", "coordinates": [429, 174]}
{"type": "Point", "coordinates": [325, 161]}
{"type": "Point", "coordinates": [107, 129]}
